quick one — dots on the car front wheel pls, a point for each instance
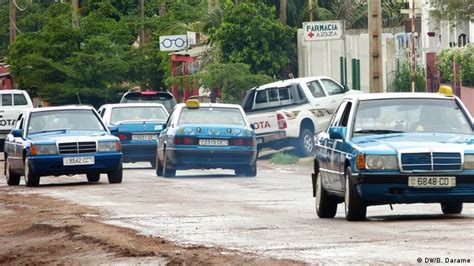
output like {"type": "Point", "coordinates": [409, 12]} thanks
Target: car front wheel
{"type": "Point", "coordinates": [12, 179]}
{"type": "Point", "coordinates": [326, 205]}
{"type": "Point", "coordinates": [451, 207]}
{"type": "Point", "coordinates": [31, 178]}
{"type": "Point", "coordinates": [115, 177]}
{"type": "Point", "coordinates": [355, 208]}
{"type": "Point", "coordinates": [93, 177]}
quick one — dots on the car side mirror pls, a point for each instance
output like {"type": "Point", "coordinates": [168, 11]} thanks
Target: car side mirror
{"type": "Point", "coordinates": [337, 132]}
{"type": "Point", "coordinates": [347, 88]}
{"type": "Point", "coordinates": [252, 126]}
{"type": "Point", "coordinates": [17, 133]}
{"type": "Point", "coordinates": [113, 128]}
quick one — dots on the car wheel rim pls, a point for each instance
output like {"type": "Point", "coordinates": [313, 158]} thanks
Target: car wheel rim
{"type": "Point", "coordinates": [318, 191]}
{"type": "Point", "coordinates": [346, 195]}
{"type": "Point", "coordinates": [308, 143]}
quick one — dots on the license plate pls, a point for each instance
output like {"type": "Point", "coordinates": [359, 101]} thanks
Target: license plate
{"type": "Point", "coordinates": [213, 142]}
{"type": "Point", "coordinates": [144, 137]}
{"type": "Point", "coordinates": [88, 160]}
{"type": "Point", "coordinates": [432, 181]}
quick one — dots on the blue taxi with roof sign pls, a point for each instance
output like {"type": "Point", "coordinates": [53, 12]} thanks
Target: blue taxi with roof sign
{"type": "Point", "coordinates": [61, 141]}
{"type": "Point", "coordinates": [206, 136]}
{"type": "Point", "coordinates": [137, 125]}
{"type": "Point", "coordinates": [392, 148]}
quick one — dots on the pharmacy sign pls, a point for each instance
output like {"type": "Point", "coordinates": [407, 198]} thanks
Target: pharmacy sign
{"type": "Point", "coordinates": [323, 30]}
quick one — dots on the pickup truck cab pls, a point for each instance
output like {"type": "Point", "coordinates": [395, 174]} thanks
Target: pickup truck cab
{"type": "Point", "coordinates": [290, 112]}
{"type": "Point", "coordinates": [12, 104]}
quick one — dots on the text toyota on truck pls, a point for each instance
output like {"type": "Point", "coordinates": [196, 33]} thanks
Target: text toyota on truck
{"type": "Point", "coordinates": [290, 112]}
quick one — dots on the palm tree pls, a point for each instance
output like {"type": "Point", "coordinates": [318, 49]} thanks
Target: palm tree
{"type": "Point", "coordinates": [283, 11]}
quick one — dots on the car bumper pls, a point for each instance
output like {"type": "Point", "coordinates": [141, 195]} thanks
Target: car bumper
{"type": "Point", "coordinates": [386, 189]}
{"type": "Point", "coordinates": [210, 159]}
{"type": "Point", "coordinates": [53, 164]}
{"type": "Point", "coordinates": [139, 152]}
{"type": "Point", "coordinates": [265, 138]}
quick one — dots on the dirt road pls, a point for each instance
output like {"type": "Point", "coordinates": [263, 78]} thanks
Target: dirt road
{"type": "Point", "coordinates": [271, 215]}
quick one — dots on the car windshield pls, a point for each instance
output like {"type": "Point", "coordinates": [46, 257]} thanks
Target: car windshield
{"type": "Point", "coordinates": [211, 115]}
{"type": "Point", "coordinates": [410, 115]}
{"type": "Point", "coordinates": [137, 113]}
{"type": "Point", "coordinates": [64, 120]}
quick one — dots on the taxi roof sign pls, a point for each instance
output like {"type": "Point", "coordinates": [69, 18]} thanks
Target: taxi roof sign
{"type": "Point", "coordinates": [192, 104]}
{"type": "Point", "coordinates": [446, 90]}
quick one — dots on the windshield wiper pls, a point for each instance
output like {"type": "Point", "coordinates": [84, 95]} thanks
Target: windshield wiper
{"type": "Point", "coordinates": [50, 130]}
{"type": "Point", "coordinates": [377, 131]}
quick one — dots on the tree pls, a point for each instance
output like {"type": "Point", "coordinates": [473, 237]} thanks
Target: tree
{"type": "Point", "coordinates": [250, 34]}
{"type": "Point", "coordinates": [453, 10]}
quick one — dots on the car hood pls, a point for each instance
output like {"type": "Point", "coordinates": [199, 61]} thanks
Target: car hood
{"type": "Point", "coordinates": [71, 136]}
{"type": "Point", "coordinates": [392, 143]}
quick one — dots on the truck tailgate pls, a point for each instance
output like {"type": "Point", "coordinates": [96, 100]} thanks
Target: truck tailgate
{"type": "Point", "coordinates": [8, 119]}
{"type": "Point", "coordinates": [264, 122]}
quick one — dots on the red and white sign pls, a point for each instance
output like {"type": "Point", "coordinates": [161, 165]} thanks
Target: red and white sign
{"type": "Point", "coordinates": [323, 30]}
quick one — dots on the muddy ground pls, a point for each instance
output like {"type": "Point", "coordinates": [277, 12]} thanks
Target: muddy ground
{"type": "Point", "coordinates": [36, 229]}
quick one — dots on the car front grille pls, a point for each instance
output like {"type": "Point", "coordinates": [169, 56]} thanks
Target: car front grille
{"type": "Point", "coordinates": [431, 161]}
{"type": "Point", "coordinates": [77, 147]}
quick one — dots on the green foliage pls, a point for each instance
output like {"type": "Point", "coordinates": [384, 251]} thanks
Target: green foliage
{"type": "Point", "coordinates": [464, 57]}
{"type": "Point", "coordinates": [452, 10]}
{"type": "Point", "coordinates": [249, 34]}
{"type": "Point", "coordinates": [233, 80]}
{"type": "Point", "coordinates": [283, 158]}
{"type": "Point", "coordinates": [403, 78]}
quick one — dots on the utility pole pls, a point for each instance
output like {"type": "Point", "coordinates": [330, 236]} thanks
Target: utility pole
{"type": "Point", "coordinates": [142, 22]}
{"type": "Point", "coordinates": [413, 48]}
{"type": "Point", "coordinates": [75, 14]}
{"type": "Point", "coordinates": [375, 45]}
{"type": "Point", "coordinates": [12, 21]}
{"type": "Point", "coordinates": [310, 9]}
{"type": "Point", "coordinates": [283, 11]}
{"type": "Point", "coordinates": [212, 5]}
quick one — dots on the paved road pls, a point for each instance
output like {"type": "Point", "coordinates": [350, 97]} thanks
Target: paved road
{"type": "Point", "coordinates": [272, 214]}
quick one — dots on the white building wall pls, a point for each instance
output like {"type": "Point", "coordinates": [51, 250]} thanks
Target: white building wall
{"type": "Point", "coordinates": [322, 58]}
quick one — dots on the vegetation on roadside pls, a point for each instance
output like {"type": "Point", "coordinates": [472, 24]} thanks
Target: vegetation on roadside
{"type": "Point", "coordinates": [403, 78]}
{"type": "Point", "coordinates": [464, 57]}
{"type": "Point", "coordinates": [250, 43]}
{"type": "Point", "coordinates": [284, 158]}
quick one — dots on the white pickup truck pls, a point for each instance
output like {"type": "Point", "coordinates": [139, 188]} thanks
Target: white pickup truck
{"type": "Point", "coordinates": [290, 112]}
{"type": "Point", "coordinates": [12, 103]}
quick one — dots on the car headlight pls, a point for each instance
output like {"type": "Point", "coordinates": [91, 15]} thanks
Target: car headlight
{"type": "Point", "coordinates": [43, 149]}
{"type": "Point", "coordinates": [381, 162]}
{"type": "Point", "coordinates": [469, 161]}
{"type": "Point", "coordinates": [109, 146]}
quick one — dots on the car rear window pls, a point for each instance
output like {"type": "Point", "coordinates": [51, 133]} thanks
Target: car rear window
{"type": "Point", "coordinates": [164, 98]}
{"type": "Point", "coordinates": [19, 99]}
{"type": "Point", "coordinates": [136, 113]}
{"type": "Point", "coordinates": [211, 115]}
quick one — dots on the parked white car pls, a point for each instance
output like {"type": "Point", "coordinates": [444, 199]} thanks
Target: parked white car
{"type": "Point", "coordinates": [290, 112]}
{"type": "Point", "coordinates": [12, 104]}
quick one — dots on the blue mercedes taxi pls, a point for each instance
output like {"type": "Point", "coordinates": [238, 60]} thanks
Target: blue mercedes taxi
{"type": "Point", "coordinates": [206, 136]}
{"type": "Point", "coordinates": [61, 141]}
{"type": "Point", "coordinates": [137, 125]}
{"type": "Point", "coordinates": [387, 148]}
